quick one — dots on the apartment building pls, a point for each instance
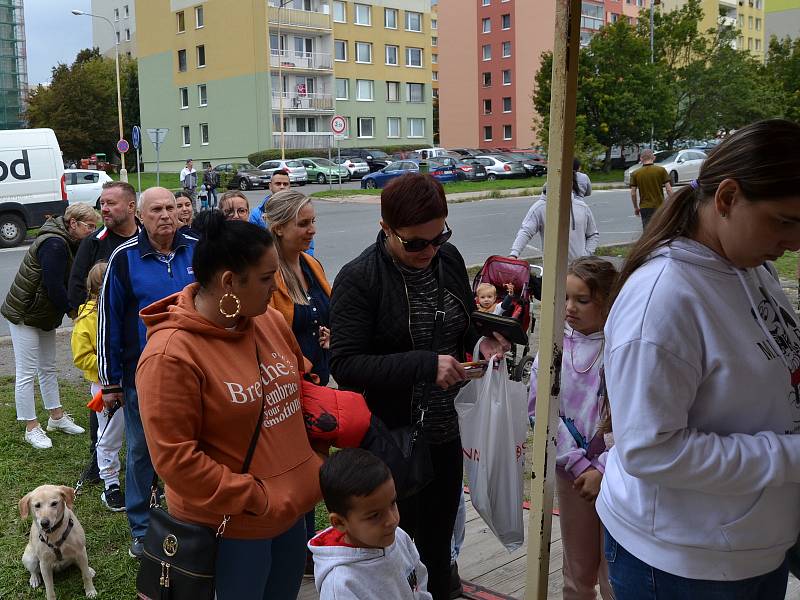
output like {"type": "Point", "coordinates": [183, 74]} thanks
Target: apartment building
{"type": "Point", "coordinates": [382, 69]}
{"type": "Point", "coordinates": [782, 19]}
{"type": "Point", "coordinates": [13, 65]}
{"type": "Point", "coordinates": [747, 16]}
{"type": "Point", "coordinates": [122, 14]}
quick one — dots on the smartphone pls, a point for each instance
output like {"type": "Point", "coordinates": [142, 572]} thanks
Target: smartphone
{"type": "Point", "coordinates": [475, 369]}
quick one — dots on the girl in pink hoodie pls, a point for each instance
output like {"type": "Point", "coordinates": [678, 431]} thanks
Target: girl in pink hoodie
{"type": "Point", "coordinates": [580, 462]}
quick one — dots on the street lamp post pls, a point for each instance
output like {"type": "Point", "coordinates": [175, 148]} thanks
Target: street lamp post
{"type": "Point", "coordinates": [281, 4]}
{"type": "Point", "coordinates": [123, 173]}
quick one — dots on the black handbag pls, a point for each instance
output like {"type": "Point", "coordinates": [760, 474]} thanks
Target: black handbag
{"type": "Point", "coordinates": [179, 560]}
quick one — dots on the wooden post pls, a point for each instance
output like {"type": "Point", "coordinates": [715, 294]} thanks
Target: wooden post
{"type": "Point", "coordinates": [551, 320]}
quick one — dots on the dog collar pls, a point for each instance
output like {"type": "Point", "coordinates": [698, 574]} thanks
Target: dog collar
{"type": "Point", "coordinates": [56, 548]}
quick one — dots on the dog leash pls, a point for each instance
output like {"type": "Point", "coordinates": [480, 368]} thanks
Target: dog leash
{"type": "Point", "coordinates": [93, 459]}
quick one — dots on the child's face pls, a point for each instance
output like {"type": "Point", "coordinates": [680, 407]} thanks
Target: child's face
{"type": "Point", "coordinates": [371, 520]}
{"type": "Point", "coordinates": [583, 314]}
{"type": "Point", "coordinates": [487, 298]}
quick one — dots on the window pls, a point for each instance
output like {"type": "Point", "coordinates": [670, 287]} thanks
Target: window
{"type": "Point", "coordinates": [506, 21]}
{"type": "Point", "coordinates": [486, 25]}
{"type": "Point", "coordinates": [592, 16]}
{"type": "Point", "coordinates": [126, 12]}
{"type": "Point", "coordinates": [758, 43]}
{"type": "Point", "coordinates": [487, 106]}
{"type": "Point", "coordinates": [342, 89]}
{"type": "Point", "coordinates": [750, 22]}
{"type": "Point", "coordinates": [413, 21]}
{"type": "Point", "coordinates": [181, 22]}
{"type": "Point", "coordinates": [416, 127]}
{"type": "Point", "coordinates": [118, 37]}
{"type": "Point", "coordinates": [390, 18]}
{"type": "Point", "coordinates": [181, 60]}
{"type": "Point", "coordinates": [434, 24]}
{"type": "Point", "coordinates": [127, 35]}
{"type": "Point", "coordinates": [185, 135]}
{"type": "Point", "coordinates": [204, 134]}
{"type": "Point", "coordinates": [393, 127]}
{"type": "Point", "coordinates": [507, 77]}
{"type": "Point", "coordinates": [758, 24]}
{"type": "Point", "coordinates": [183, 95]}
{"type": "Point", "coordinates": [487, 133]}
{"type": "Point", "coordinates": [434, 41]}
{"type": "Point", "coordinates": [506, 49]}
{"type": "Point", "coordinates": [202, 95]}
{"type": "Point", "coordinates": [116, 14]}
{"type": "Point", "coordinates": [201, 56]}
{"type": "Point", "coordinates": [485, 2]}
{"type": "Point", "coordinates": [413, 57]}
{"type": "Point", "coordinates": [363, 52]}
{"type": "Point", "coordinates": [340, 49]}
{"type": "Point", "coordinates": [415, 92]}
{"type": "Point", "coordinates": [364, 89]}
{"type": "Point", "coordinates": [749, 43]}
{"type": "Point", "coordinates": [339, 12]}
{"type": "Point", "coordinates": [392, 55]}
{"type": "Point", "coordinates": [434, 59]}
{"type": "Point", "coordinates": [507, 105]}
{"type": "Point", "coordinates": [506, 132]}
{"type": "Point", "coordinates": [487, 79]}
{"type": "Point", "coordinates": [393, 91]}
{"type": "Point", "coordinates": [363, 15]}
{"type": "Point", "coordinates": [434, 75]}
{"type": "Point", "coordinates": [366, 127]}
{"type": "Point", "coordinates": [487, 52]}
{"type": "Point", "coordinates": [199, 21]}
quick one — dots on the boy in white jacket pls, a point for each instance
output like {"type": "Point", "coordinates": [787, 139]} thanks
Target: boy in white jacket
{"type": "Point", "coordinates": [364, 554]}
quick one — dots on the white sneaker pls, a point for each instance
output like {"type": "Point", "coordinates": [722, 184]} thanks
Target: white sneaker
{"type": "Point", "coordinates": [65, 424]}
{"type": "Point", "coordinates": [37, 438]}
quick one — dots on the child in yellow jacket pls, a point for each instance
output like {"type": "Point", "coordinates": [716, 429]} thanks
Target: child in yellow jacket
{"type": "Point", "coordinates": [84, 356]}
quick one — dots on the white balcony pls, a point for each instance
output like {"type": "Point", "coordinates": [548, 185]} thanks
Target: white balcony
{"type": "Point", "coordinates": [728, 3]}
{"type": "Point", "coordinates": [727, 22]}
{"type": "Point", "coordinates": [295, 102]}
{"type": "Point", "coordinates": [293, 139]}
{"type": "Point", "coordinates": [307, 61]}
{"type": "Point", "coordinates": [289, 18]}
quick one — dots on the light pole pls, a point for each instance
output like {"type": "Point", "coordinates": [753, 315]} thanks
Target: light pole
{"type": "Point", "coordinates": [281, 4]}
{"type": "Point", "coordinates": [652, 56]}
{"type": "Point", "coordinates": [123, 173]}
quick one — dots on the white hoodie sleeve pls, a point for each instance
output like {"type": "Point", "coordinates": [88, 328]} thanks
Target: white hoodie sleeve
{"type": "Point", "coordinates": [592, 235]}
{"type": "Point", "coordinates": [531, 225]}
{"type": "Point", "coordinates": [651, 392]}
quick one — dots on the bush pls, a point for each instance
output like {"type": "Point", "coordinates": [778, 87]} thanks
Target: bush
{"type": "Point", "coordinates": [256, 158]}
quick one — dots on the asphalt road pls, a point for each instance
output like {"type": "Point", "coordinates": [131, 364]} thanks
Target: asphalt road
{"type": "Point", "coordinates": [480, 229]}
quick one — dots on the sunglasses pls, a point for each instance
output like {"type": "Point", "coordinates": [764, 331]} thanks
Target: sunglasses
{"type": "Point", "coordinates": [418, 245]}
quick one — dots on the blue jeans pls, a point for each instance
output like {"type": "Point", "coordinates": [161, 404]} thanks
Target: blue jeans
{"type": "Point", "coordinates": [138, 468]}
{"type": "Point", "coordinates": [269, 569]}
{"type": "Point", "coordinates": [633, 579]}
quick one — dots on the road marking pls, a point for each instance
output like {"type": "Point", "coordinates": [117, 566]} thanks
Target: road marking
{"type": "Point", "coordinates": [17, 249]}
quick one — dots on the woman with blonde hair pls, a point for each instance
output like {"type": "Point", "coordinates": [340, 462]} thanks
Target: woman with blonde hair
{"type": "Point", "coordinates": [234, 206]}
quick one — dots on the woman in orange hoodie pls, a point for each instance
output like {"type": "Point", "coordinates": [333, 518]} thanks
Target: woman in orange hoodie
{"type": "Point", "coordinates": [206, 370]}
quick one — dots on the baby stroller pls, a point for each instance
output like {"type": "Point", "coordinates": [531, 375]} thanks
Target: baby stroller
{"type": "Point", "coordinates": [527, 281]}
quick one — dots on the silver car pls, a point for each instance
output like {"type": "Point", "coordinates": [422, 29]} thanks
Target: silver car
{"type": "Point", "coordinates": [499, 166]}
{"type": "Point", "coordinates": [297, 172]}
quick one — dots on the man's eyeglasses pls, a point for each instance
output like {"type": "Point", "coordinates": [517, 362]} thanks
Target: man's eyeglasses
{"type": "Point", "coordinates": [418, 245]}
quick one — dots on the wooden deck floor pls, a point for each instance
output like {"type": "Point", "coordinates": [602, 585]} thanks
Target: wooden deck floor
{"type": "Point", "coordinates": [484, 561]}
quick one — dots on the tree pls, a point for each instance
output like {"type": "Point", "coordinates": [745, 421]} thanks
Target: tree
{"type": "Point", "coordinates": [80, 104]}
{"type": "Point", "coordinates": [783, 70]}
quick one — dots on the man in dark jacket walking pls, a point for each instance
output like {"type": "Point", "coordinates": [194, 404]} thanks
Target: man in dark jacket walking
{"type": "Point", "coordinates": [211, 181]}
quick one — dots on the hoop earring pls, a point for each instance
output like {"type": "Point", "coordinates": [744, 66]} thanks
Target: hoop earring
{"type": "Point", "coordinates": [234, 314]}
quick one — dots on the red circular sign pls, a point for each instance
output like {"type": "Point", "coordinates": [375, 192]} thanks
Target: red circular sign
{"type": "Point", "coordinates": [123, 146]}
{"type": "Point", "coordinates": [338, 124]}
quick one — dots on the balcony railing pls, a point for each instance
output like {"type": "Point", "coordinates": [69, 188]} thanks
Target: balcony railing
{"type": "Point", "coordinates": [292, 101]}
{"type": "Point", "coordinates": [289, 17]}
{"type": "Point", "coordinates": [290, 59]}
{"type": "Point", "coordinates": [302, 140]}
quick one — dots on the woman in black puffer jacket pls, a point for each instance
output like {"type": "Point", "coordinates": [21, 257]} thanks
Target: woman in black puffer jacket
{"type": "Point", "coordinates": [383, 307]}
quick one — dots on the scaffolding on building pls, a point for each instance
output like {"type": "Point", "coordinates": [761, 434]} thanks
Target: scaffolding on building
{"type": "Point", "coordinates": [13, 65]}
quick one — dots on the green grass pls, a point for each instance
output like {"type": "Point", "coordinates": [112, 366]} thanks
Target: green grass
{"type": "Point", "coordinates": [168, 180]}
{"type": "Point", "coordinates": [22, 469]}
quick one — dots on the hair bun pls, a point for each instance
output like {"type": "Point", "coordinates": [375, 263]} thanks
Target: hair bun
{"type": "Point", "coordinates": [210, 224]}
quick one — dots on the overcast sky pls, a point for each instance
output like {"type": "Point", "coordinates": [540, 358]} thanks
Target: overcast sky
{"type": "Point", "coordinates": [54, 35]}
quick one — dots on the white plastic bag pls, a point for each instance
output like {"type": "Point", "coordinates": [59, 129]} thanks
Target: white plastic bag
{"type": "Point", "coordinates": [492, 415]}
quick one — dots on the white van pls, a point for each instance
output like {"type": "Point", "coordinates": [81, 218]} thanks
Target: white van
{"type": "Point", "coordinates": [32, 186]}
{"type": "Point", "coordinates": [431, 152]}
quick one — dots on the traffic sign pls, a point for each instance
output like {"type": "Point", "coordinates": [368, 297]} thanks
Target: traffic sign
{"type": "Point", "coordinates": [123, 146]}
{"type": "Point", "coordinates": [157, 135]}
{"type": "Point", "coordinates": [136, 136]}
{"type": "Point", "coordinates": [339, 136]}
{"type": "Point", "coordinates": [338, 124]}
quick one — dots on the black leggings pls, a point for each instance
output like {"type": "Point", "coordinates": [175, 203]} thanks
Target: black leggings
{"type": "Point", "coordinates": [429, 516]}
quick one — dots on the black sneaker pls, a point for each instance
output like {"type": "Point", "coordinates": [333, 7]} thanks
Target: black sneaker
{"type": "Point", "coordinates": [113, 498]}
{"type": "Point", "coordinates": [137, 548]}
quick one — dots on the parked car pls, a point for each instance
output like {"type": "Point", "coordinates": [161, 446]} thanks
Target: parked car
{"type": "Point", "coordinates": [376, 159]}
{"type": "Point", "coordinates": [357, 166]}
{"type": "Point", "coordinates": [466, 169]}
{"type": "Point", "coordinates": [297, 172]}
{"type": "Point", "coordinates": [404, 154]}
{"type": "Point", "coordinates": [465, 151]}
{"type": "Point", "coordinates": [85, 185]}
{"type": "Point", "coordinates": [431, 152]}
{"type": "Point", "coordinates": [532, 167]}
{"type": "Point", "coordinates": [243, 176]}
{"type": "Point", "coordinates": [501, 166]}
{"type": "Point", "coordinates": [378, 179]}
{"type": "Point", "coordinates": [321, 170]}
{"type": "Point", "coordinates": [682, 166]}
